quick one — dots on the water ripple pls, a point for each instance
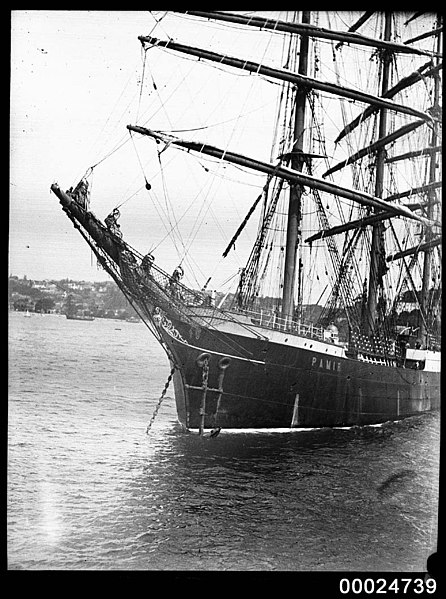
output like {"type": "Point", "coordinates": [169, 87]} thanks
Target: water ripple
{"type": "Point", "coordinates": [88, 489]}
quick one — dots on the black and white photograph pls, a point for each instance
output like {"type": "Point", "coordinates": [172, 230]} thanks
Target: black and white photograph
{"type": "Point", "coordinates": [224, 293]}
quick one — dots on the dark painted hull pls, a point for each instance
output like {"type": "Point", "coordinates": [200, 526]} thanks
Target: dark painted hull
{"type": "Point", "coordinates": [257, 377]}
{"type": "Point", "coordinates": [282, 386]}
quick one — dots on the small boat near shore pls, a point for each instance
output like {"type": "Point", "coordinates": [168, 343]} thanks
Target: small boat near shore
{"type": "Point", "coordinates": [79, 317]}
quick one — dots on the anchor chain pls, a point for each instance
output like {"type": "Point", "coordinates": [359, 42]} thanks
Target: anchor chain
{"type": "Point", "coordinates": [160, 401]}
{"type": "Point", "coordinates": [205, 376]}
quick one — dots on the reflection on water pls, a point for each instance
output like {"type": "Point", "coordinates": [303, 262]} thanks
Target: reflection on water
{"type": "Point", "coordinates": [87, 488]}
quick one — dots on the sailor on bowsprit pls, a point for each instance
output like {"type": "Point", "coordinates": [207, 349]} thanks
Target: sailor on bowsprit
{"type": "Point", "coordinates": [111, 222]}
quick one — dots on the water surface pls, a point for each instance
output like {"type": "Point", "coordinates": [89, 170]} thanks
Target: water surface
{"type": "Point", "coordinates": [88, 489]}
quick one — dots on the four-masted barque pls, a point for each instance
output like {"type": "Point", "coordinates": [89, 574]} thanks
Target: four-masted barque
{"type": "Point", "coordinates": [349, 213]}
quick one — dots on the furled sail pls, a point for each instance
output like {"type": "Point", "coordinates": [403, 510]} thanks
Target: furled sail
{"type": "Point", "coordinates": [307, 29]}
{"type": "Point", "coordinates": [284, 75]}
{"type": "Point", "coordinates": [284, 172]}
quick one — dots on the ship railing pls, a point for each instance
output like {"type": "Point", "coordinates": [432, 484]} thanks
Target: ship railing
{"type": "Point", "coordinates": [271, 320]}
{"type": "Point", "coordinates": [374, 359]}
{"type": "Point", "coordinates": [265, 318]}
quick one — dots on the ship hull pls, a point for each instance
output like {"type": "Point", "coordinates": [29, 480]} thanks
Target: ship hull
{"type": "Point", "coordinates": [290, 387]}
{"type": "Point", "coordinates": [232, 370]}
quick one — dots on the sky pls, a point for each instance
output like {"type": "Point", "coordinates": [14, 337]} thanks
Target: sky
{"type": "Point", "coordinates": [75, 75]}
{"type": "Point", "coordinates": [76, 82]}
{"type": "Point", "coordinates": [75, 85]}
{"type": "Point", "coordinates": [58, 67]}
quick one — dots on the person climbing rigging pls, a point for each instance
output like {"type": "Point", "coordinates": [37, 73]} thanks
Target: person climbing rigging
{"type": "Point", "coordinates": [80, 193]}
{"type": "Point", "coordinates": [147, 262]}
{"type": "Point", "coordinates": [177, 274]}
{"type": "Point", "coordinates": [111, 222]}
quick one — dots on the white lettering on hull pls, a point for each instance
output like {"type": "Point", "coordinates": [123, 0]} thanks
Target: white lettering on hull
{"type": "Point", "coordinates": [326, 364]}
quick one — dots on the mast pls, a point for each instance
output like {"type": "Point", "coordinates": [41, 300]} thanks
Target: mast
{"type": "Point", "coordinates": [424, 299]}
{"type": "Point", "coordinates": [376, 257]}
{"type": "Point", "coordinates": [295, 198]}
